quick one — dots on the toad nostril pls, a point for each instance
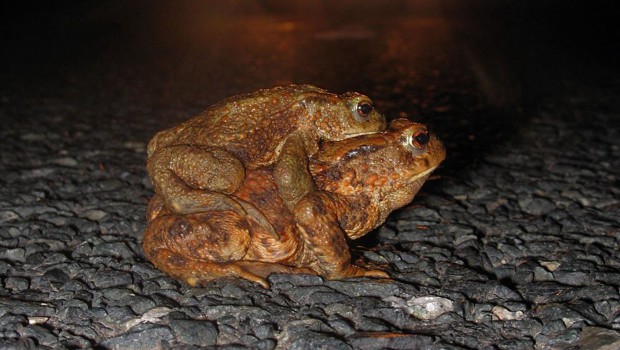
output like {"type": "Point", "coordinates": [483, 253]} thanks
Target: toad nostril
{"type": "Point", "coordinates": [422, 138]}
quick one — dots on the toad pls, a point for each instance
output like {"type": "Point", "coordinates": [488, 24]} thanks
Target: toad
{"type": "Point", "coordinates": [360, 181]}
{"type": "Point", "coordinates": [197, 165]}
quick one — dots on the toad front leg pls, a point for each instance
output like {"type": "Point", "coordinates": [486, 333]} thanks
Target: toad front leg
{"type": "Point", "coordinates": [194, 179]}
{"type": "Point", "coordinates": [291, 173]}
{"type": "Point", "coordinates": [317, 220]}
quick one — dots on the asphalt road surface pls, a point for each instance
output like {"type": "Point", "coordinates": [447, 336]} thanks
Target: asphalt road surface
{"type": "Point", "coordinates": [514, 244]}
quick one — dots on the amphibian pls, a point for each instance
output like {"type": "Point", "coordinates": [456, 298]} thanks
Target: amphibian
{"type": "Point", "coordinates": [359, 181]}
{"type": "Point", "coordinates": [197, 165]}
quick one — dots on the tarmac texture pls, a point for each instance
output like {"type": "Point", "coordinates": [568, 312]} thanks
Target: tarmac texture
{"type": "Point", "coordinates": [514, 243]}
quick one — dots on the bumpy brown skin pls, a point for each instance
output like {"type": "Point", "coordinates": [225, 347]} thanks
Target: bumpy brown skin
{"type": "Point", "coordinates": [196, 165]}
{"type": "Point", "coordinates": [360, 181]}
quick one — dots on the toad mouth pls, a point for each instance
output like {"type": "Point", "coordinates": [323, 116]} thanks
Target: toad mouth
{"type": "Point", "coordinates": [355, 134]}
{"type": "Point", "coordinates": [422, 174]}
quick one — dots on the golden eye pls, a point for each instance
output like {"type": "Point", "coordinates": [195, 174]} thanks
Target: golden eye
{"type": "Point", "coordinates": [415, 140]}
{"type": "Point", "coordinates": [420, 139]}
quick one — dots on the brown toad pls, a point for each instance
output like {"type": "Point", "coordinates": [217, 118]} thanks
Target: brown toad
{"type": "Point", "coordinates": [198, 164]}
{"type": "Point", "coordinates": [360, 181]}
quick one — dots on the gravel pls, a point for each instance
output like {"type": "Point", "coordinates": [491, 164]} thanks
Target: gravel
{"type": "Point", "coordinates": [513, 245]}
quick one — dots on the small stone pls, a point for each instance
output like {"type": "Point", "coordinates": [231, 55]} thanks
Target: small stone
{"type": "Point", "coordinates": [17, 283]}
{"type": "Point", "coordinates": [322, 297]}
{"type": "Point", "coordinates": [116, 249]}
{"type": "Point", "coordinates": [504, 271]}
{"type": "Point", "coordinates": [424, 308]}
{"type": "Point", "coordinates": [53, 279]}
{"type": "Point", "coordinates": [30, 308]}
{"type": "Point", "coordinates": [368, 287]}
{"type": "Point", "coordinates": [152, 338]}
{"type": "Point", "coordinates": [341, 326]}
{"type": "Point", "coordinates": [572, 278]}
{"type": "Point", "coordinates": [314, 340]}
{"type": "Point", "coordinates": [373, 325]}
{"type": "Point", "coordinates": [599, 292]}
{"type": "Point", "coordinates": [119, 313]}
{"type": "Point", "coordinates": [11, 321]}
{"type": "Point", "coordinates": [154, 315]}
{"type": "Point", "coordinates": [94, 214]}
{"type": "Point", "coordinates": [553, 327]}
{"type": "Point", "coordinates": [199, 333]}
{"type": "Point", "coordinates": [73, 315]}
{"type": "Point", "coordinates": [390, 340]}
{"type": "Point", "coordinates": [596, 338]}
{"type": "Point", "coordinates": [116, 294]}
{"type": "Point", "coordinates": [285, 281]}
{"type": "Point", "coordinates": [136, 146]}
{"type": "Point", "coordinates": [459, 239]}
{"type": "Point", "coordinates": [65, 161]}
{"type": "Point", "coordinates": [265, 330]}
{"type": "Point", "coordinates": [23, 343]}
{"type": "Point", "coordinates": [541, 274]}
{"type": "Point", "coordinates": [37, 173]}
{"type": "Point", "coordinates": [109, 278]}
{"type": "Point", "coordinates": [264, 344]}
{"type": "Point", "coordinates": [41, 334]}
{"type": "Point", "coordinates": [8, 215]}
{"type": "Point", "coordinates": [162, 298]}
{"type": "Point", "coordinates": [55, 275]}
{"type": "Point", "coordinates": [536, 206]}
{"type": "Point", "coordinates": [477, 312]}
{"type": "Point", "coordinates": [504, 314]}
{"type": "Point", "coordinates": [138, 303]}
{"type": "Point", "coordinates": [546, 292]}
{"type": "Point", "coordinates": [549, 265]}
{"type": "Point", "coordinates": [608, 308]}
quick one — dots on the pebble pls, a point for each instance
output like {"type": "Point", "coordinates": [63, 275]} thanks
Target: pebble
{"type": "Point", "coordinates": [115, 249]}
{"type": "Point", "coordinates": [110, 278]}
{"type": "Point", "coordinates": [424, 308]}
{"type": "Point", "coordinates": [41, 334]}
{"type": "Point", "coordinates": [152, 338]}
{"type": "Point", "coordinates": [504, 314]}
{"type": "Point", "coordinates": [314, 340]}
{"type": "Point", "coordinates": [390, 340]}
{"type": "Point", "coordinates": [536, 206]}
{"type": "Point", "coordinates": [597, 338]}
{"type": "Point", "coordinates": [95, 214]}
{"type": "Point", "coordinates": [198, 333]}
{"type": "Point", "coordinates": [65, 161]}
{"type": "Point", "coordinates": [16, 284]}
{"type": "Point", "coordinates": [8, 215]}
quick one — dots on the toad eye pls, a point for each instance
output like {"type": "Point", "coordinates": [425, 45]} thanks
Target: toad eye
{"type": "Point", "coordinates": [416, 141]}
{"type": "Point", "coordinates": [421, 138]}
{"type": "Point", "coordinates": [364, 109]}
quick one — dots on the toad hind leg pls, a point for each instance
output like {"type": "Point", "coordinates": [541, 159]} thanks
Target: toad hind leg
{"type": "Point", "coordinates": [194, 179]}
{"type": "Point", "coordinates": [198, 247]}
{"type": "Point", "coordinates": [197, 272]}
{"type": "Point", "coordinates": [201, 247]}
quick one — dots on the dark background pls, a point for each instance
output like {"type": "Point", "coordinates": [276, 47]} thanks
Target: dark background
{"type": "Point", "coordinates": [526, 49]}
{"type": "Point", "coordinates": [471, 69]}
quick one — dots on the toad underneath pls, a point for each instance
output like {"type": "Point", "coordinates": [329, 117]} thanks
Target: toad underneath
{"type": "Point", "coordinates": [197, 165]}
{"type": "Point", "coordinates": [359, 182]}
